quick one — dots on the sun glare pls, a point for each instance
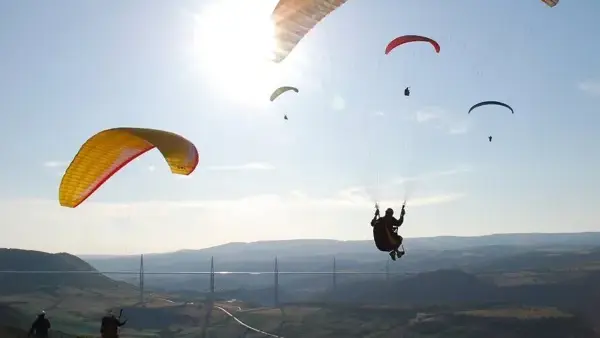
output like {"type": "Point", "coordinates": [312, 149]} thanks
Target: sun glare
{"type": "Point", "coordinates": [234, 44]}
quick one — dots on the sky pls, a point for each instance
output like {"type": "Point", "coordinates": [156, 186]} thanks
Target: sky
{"type": "Point", "coordinates": [69, 69]}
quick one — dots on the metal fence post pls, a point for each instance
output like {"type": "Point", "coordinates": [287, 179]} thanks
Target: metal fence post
{"type": "Point", "coordinates": [276, 284]}
{"type": "Point", "coordinates": [142, 280]}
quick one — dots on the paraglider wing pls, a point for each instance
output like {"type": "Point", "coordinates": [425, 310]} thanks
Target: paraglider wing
{"type": "Point", "coordinates": [485, 103]}
{"type": "Point", "coordinates": [281, 90]}
{"type": "Point", "coordinates": [410, 38]}
{"type": "Point", "coordinates": [294, 18]}
{"type": "Point", "coordinates": [550, 3]}
{"type": "Point", "coordinates": [105, 153]}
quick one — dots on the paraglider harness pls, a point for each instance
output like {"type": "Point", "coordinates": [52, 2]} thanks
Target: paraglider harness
{"type": "Point", "coordinates": [395, 228]}
{"type": "Point", "coordinates": [407, 91]}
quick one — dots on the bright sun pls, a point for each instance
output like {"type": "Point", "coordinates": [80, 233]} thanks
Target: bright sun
{"type": "Point", "coordinates": [234, 44]}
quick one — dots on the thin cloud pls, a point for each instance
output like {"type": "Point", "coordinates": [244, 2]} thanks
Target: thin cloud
{"type": "Point", "coordinates": [55, 164]}
{"type": "Point", "coordinates": [195, 223]}
{"type": "Point", "coordinates": [459, 129]}
{"type": "Point", "coordinates": [433, 175]}
{"type": "Point", "coordinates": [151, 168]}
{"type": "Point", "coordinates": [429, 114]}
{"type": "Point", "coordinates": [359, 198]}
{"type": "Point", "coordinates": [355, 197]}
{"type": "Point", "coordinates": [338, 103]}
{"type": "Point", "coordinates": [435, 199]}
{"type": "Point", "coordinates": [440, 118]}
{"type": "Point", "coordinates": [244, 167]}
{"type": "Point", "coordinates": [590, 87]}
{"type": "Point", "coordinates": [379, 113]}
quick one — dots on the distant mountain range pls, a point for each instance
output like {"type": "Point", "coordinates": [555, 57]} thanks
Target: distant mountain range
{"type": "Point", "coordinates": [423, 254]}
{"type": "Point", "coordinates": [481, 256]}
{"type": "Point", "coordinates": [262, 250]}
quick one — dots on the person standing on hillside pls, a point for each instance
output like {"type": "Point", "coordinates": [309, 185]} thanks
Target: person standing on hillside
{"type": "Point", "coordinates": [110, 325]}
{"type": "Point", "coordinates": [40, 326]}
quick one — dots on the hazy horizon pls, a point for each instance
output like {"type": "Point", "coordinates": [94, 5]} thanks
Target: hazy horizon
{"type": "Point", "coordinates": [321, 239]}
{"type": "Point", "coordinates": [71, 69]}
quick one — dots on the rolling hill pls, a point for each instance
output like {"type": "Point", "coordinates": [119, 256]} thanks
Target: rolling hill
{"type": "Point", "coordinates": [15, 263]}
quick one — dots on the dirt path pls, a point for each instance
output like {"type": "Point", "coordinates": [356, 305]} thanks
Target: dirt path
{"type": "Point", "coordinates": [246, 325]}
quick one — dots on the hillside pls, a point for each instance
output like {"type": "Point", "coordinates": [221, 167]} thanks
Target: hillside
{"type": "Point", "coordinates": [15, 324]}
{"type": "Point", "coordinates": [13, 261]}
{"type": "Point", "coordinates": [12, 317]}
{"type": "Point", "coordinates": [446, 302]}
{"type": "Point", "coordinates": [390, 322]}
{"type": "Point", "coordinates": [432, 288]}
{"type": "Point", "coordinates": [583, 258]}
{"type": "Point", "coordinates": [448, 286]}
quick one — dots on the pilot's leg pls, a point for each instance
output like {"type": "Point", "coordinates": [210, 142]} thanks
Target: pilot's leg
{"type": "Point", "coordinates": [393, 254]}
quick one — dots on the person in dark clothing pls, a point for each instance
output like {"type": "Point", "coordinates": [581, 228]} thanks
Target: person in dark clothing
{"type": "Point", "coordinates": [110, 326]}
{"type": "Point", "coordinates": [40, 326]}
{"type": "Point", "coordinates": [490, 138]}
{"type": "Point", "coordinates": [390, 225]}
{"type": "Point", "coordinates": [407, 91]}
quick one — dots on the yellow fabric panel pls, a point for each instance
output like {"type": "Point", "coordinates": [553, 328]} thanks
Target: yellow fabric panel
{"type": "Point", "coordinates": [108, 151]}
{"type": "Point", "coordinates": [294, 18]}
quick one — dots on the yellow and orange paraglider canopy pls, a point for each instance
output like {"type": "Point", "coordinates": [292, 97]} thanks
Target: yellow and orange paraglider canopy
{"type": "Point", "coordinates": [105, 153]}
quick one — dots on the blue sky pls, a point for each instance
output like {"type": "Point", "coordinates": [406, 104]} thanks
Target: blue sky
{"type": "Point", "coordinates": [70, 69]}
